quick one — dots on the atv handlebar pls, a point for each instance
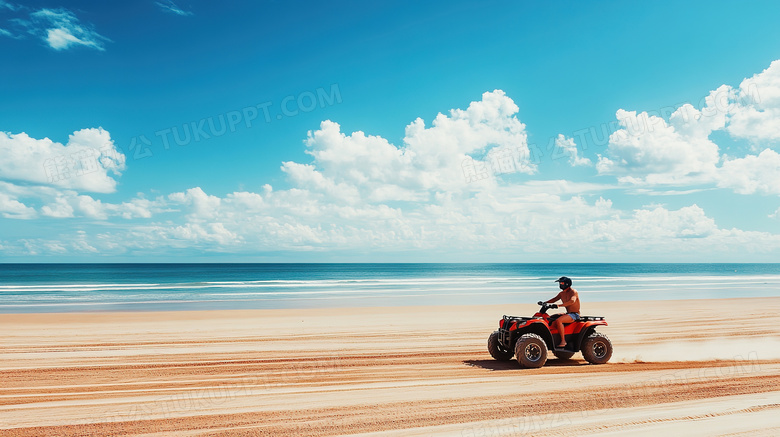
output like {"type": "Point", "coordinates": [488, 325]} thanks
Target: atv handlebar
{"type": "Point", "coordinates": [546, 306]}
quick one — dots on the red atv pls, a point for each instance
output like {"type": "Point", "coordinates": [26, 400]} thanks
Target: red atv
{"type": "Point", "coordinates": [529, 339]}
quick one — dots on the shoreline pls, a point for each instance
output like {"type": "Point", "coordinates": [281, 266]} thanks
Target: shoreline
{"type": "Point", "coordinates": [329, 309]}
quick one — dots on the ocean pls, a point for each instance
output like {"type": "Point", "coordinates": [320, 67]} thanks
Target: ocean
{"type": "Point", "coordinates": [28, 288]}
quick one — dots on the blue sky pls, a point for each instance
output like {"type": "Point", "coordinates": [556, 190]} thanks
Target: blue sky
{"type": "Point", "coordinates": [353, 131]}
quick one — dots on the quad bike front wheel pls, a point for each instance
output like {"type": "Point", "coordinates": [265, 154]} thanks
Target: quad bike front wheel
{"type": "Point", "coordinates": [597, 349]}
{"type": "Point", "coordinates": [531, 351]}
{"type": "Point", "coordinates": [496, 350]}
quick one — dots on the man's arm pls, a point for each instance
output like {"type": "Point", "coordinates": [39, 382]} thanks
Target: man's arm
{"type": "Point", "coordinates": [557, 296]}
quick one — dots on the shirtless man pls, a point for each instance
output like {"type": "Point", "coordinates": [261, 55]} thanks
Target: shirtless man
{"type": "Point", "coordinates": [571, 300]}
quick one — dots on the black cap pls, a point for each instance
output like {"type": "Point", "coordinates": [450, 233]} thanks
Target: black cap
{"type": "Point", "coordinates": [565, 280]}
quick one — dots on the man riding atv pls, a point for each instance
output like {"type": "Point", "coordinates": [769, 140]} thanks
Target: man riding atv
{"type": "Point", "coordinates": [571, 300]}
{"type": "Point", "coordinates": [528, 339]}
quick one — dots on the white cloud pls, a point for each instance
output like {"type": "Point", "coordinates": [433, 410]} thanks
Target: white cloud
{"type": "Point", "coordinates": [652, 192]}
{"type": "Point", "coordinates": [755, 113]}
{"type": "Point", "coordinates": [200, 205]}
{"type": "Point", "coordinates": [80, 243]}
{"type": "Point", "coordinates": [60, 38]}
{"type": "Point", "coordinates": [10, 207]}
{"type": "Point", "coordinates": [683, 234]}
{"type": "Point", "coordinates": [91, 208]}
{"type": "Point", "coordinates": [305, 175]}
{"type": "Point", "coordinates": [83, 163]}
{"type": "Point", "coordinates": [500, 224]}
{"type": "Point", "coordinates": [70, 204]}
{"type": "Point", "coordinates": [752, 174]}
{"type": "Point", "coordinates": [170, 6]}
{"type": "Point", "coordinates": [206, 233]}
{"type": "Point", "coordinates": [246, 200]}
{"type": "Point", "coordinates": [648, 150]}
{"type": "Point", "coordinates": [367, 167]}
{"type": "Point", "coordinates": [361, 195]}
{"type": "Point", "coordinates": [139, 208]}
{"type": "Point", "coordinates": [61, 30]}
{"type": "Point", "coordinates": [776, 214]}
{"type": "Point", "coordinates": [687, 222]}
{"type": "Point", "coordinates": [568, 147]}
{"type": "Point", "coordinates": [60, 208]}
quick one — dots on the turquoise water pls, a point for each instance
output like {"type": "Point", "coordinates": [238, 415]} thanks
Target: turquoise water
{"type": "Point", "coordinates": [28, 288]}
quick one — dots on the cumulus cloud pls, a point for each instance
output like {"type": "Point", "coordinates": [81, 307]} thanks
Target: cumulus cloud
{"type": "Point", "coordinates": [500, 223]}
{"type": "Point", "coordinates": [650, 151]}
{"type": "Point", "coordinates": [60, 208]}
{"type": "Point", "coordinates": [752, 174]}
{"type": "Point", "coordinates": [10, 207]}
{"type": "Point", "coordinates": [359, 191]}
{"type": "Point", "coordinates": [567, 147]}
{"type": "Point", "coordinates": [83, 163]}
{"type": "Point", "coordinates": [200, 205]}
{"type": "Point", "coordinates": [370, 168]}
{"type": "Point", "coordinates": [202, 233]}
{"type": "Point", "coordinates": [687, 222]}
{"type": "Point", "coordinates": [306, 175]}
{"type": "Point", "coordinates": [755, 112]}
{"type": "Point", "coordinates": [360, 194]}
{"type": "Point", "coordinates": [41, 177]}
{"type": "Point", "coordinates": [70, 204]}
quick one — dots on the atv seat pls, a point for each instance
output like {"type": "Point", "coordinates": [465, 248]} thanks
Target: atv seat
{"type": "Point", "coordinates": [555, 317]}
{"type": "Point", "coordinates": [582, 318]}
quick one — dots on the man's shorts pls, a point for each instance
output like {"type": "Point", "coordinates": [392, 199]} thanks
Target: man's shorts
{"type": "Point", "coordinates": [574, 316]}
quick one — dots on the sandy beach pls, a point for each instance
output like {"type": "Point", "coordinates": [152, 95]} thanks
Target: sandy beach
{"type": "Point", "coordinates": [698, 367]}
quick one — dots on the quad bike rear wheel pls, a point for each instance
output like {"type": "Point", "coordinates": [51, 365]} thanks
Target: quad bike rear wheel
{"type": "Point", "coordinates": [597, 349]}
{"type": "Point", "coordinates": [496, 350]}
{"type": "Point", "coordinates": [562, 355]}
{"type": "Point", "coordinates": [531, 351]}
